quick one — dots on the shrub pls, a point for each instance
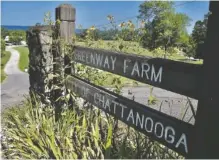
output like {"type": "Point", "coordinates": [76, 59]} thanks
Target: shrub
{"type": "Point", "coordinates": [158, 52]}
{"type": "Point", "coordinates": [2, 45]}
{"type": "Point", "coordinates": [15, 36]}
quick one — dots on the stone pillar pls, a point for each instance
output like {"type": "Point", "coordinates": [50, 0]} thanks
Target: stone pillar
{"type": "Point", "coordinates": [39, 40]}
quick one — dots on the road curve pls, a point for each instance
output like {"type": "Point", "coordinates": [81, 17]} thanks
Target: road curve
{"type": "Point", "coordinates": [16, 85]}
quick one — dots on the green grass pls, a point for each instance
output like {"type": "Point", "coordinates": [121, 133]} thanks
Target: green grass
{"type": "Point", "coordinates": [4, 60]}
{"type": "Point", "coordinates": [197, 62]}
{"type": "Point", "coordinates": [133, 47]}
{"type": "Point", "coordinates": [24, 57]}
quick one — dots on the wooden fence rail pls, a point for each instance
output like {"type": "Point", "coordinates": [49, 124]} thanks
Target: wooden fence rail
{"type": "Point", "coordinates": [179, 77]}
{"type": "Point", "coordinates": [167, 130]}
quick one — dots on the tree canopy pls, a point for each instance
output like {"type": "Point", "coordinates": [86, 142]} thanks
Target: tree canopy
{"type": "Point", "coordinates": [4, 33]}
{"type": "Point", "coordinates": [15, 36]}
{"type": "Point", "coordinates": [198, 36]}
{"type": "Point", "coordinates": [200, 29]}
{"type": "Point", "coordinates": [164, 26]}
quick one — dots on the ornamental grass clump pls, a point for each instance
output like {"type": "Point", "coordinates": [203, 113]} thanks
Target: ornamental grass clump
{"type": "Point", "coordinates": [31, 132]}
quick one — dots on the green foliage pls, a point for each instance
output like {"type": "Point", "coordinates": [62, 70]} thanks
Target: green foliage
{"type": "Point", "coordinates": [31, 132]}
{"type": "Point", "coordinates": [81, 36]}
{"type": "Point", "coordinates": [152, 99]}
{"type": "Point", "coordinates": [149, 10]}
{"type": "Point", "coordinates": [183, 40]}
{"type": "Point", "coordinates": [190, 48]}
{"type": "Point", "coordinates": [158, 52]}
{"type": "Point", "coordinates": [24, 58]}
{"type": "Point", "coordinates": [109, 34]}
{"type": "Point", "coordinates": [92, 34]}
{"type": "Point", "coordinates": [5, 55]}
{"type": "Point", "coordinates": [48, 18]}
{"type": "Point", "coordinates": [2, 46]}
{"type": "Point", "coordinates": [126, 31]}
{"type": "Point", "coordinates": [200, 29]}
{"type": "Point", "coordinates": [198, 36]}
{"type": "Point", "coordinates": [15, 36]}
{"type": "Point", "coordinates": [153, 14]}
{"type": "Point", "coordinates": [163, 25]}
{"type": "Point", "coordinates": [4, 32]}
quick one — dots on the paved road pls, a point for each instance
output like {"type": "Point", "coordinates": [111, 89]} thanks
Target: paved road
{"type": "Point", "coordinates": [171, 103]}
{"type": "Point", "coordinates": [16, 84]}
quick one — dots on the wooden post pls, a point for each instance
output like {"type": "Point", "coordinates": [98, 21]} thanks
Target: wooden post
{"type": "Point", "coordinates": [65, 14]}
{"type": "Point", "coordinates": [205, 142]}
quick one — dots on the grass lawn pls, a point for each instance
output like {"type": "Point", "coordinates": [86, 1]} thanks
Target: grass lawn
{"type": "Point", "coordinates": [24, 57]}
{"type": "Point", "coordinates": [4, 60]}
{"type": "Point", "coordinates": [133, 47]}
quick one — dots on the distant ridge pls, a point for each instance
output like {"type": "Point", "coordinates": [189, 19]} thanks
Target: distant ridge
{"type": "Point", "coordinates": [8, 27]}
{"type": "Point", "coordinates": [24, 28]}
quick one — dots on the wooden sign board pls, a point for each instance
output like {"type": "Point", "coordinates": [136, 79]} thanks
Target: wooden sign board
{"type": "Point", "coordinates": [178, 77]}
{"type": "Point", "coordinates": [165, 129]}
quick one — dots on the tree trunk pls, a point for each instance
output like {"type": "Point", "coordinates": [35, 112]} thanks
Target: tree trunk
{"type": "Point", "coordinates": [165, 51]}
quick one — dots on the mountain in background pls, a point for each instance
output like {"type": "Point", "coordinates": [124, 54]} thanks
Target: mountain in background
{"type": "Point", "coordinates": [15, 27]}
{"type": "Point", "coordinates": [24, 28]}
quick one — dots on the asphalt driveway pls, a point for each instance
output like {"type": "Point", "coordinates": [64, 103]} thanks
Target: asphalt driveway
{"type": "Point", "coordinates": [16, 85]}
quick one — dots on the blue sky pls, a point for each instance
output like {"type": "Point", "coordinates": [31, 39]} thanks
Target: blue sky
{"type": "Point", "coordinates": [88, 13]}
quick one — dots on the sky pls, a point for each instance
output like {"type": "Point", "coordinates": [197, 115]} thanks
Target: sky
{"type": "Point", "coordinates": [88, 13]}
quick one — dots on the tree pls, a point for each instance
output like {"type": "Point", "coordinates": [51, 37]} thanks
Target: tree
{"type": "Point", "coordinates": [189, 48]}
{"type": "Point", "coordinates": [149, 13]}
{"type": "Point", "coordinates": [199, 31]}
{"type": "Point", "coordinates": [170, 27]}
{"type": "Point", "coordinates": [15, 39]}
{"type": "Point", "coordinates": [152, 9]}
{"type": "Point", "coordinates": [107, 34]}
{"type": "Point", "coordinates": [15, 36]}
{"type": "Point", "coordinates": [163, 25]}
{"type": "Point", "coordinates": [183, 40]}
{"type": "Point", "coordinates": [4, 32]}
{"type": "Point", "coordinates": [2, 47]}
{"type": "Point", "coordinates": [199, 35]}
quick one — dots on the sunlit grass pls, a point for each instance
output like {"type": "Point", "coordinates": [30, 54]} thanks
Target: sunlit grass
{"type": "Point", "coordinates": [134, 48]}
{"type": "Point", "coordinates": [4, 59]}
{"type": "Point", "coordinates": [24, 57]}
